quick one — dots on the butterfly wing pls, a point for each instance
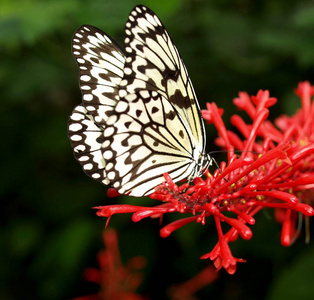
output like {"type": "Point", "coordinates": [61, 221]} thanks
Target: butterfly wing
{"type": "Point", "coordinates": [101, 63]}
{"type": "Point", "coordinates": [145, 137]}
{"type": "Point", "coordinates": [86, 138]}
{"type": "Point", "coordinates": [153, 63]}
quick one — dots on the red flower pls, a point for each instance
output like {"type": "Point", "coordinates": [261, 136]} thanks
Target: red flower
{"type": "Point", "coordinates": [279, 176]}
{"type": "Point", "coordinates": [117, 281]}
{"type": "Point", "coordinates": [299, 131]}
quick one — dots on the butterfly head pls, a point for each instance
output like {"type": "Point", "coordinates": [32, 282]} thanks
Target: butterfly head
{"type": "Point", "coordinates": [201, 165]}
{"type": "Point", "coordinates": [206, 161]}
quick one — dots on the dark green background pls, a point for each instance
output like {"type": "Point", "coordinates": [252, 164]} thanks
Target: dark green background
{"type": "Point", "coordinates": [49, 233]}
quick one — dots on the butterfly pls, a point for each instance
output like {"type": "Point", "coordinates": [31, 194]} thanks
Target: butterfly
{"type": "Point", "coordinates": [140, 117]}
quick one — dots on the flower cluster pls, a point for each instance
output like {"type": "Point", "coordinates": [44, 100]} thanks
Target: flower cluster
{"type": "Point", "coordinates": [116, 280]}
{"type": "Point", "coordinates": [119, 282]}
{"type": "Point", "coordinates": [298, 179]}
{"type": "Point", "coordinates": [274, 169]}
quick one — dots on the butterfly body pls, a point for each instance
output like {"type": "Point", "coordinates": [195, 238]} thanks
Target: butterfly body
{"type": "Point", "coordinates": [140, 117]}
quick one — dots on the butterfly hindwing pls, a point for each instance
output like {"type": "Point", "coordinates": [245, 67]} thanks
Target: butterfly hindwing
{"type": "Point", "coordinates": [101, 63]}
{"type": "Point", "coordinates": [144, 138]}
{"type": "Point", "coordinates": [86, 139]}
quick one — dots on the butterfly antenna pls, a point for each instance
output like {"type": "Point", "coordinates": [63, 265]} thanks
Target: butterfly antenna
{"type": "Point", "coordinates": [239, 151]}
{"type": "Point", "coordinates": [214, 160]}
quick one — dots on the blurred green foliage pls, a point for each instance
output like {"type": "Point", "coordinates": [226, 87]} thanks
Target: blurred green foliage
{"type": "Point", "coordinates": [49, 233]}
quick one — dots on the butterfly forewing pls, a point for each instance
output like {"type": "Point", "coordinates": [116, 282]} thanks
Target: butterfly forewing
{"type": "Point", "coordinates": [101, 63]}
{"type": "Point", "coordinates": [154, 63]}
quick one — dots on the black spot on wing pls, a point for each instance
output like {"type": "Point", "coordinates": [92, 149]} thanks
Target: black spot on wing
{"type": "Point", "coordinates": [179, 100]}
{"type": "Point", "coordinates": [138, 113]}
{"type": "Point", "coordinates": [155, 110]}
{"type": "Point", "coordinates": [100, 139]}
{"type": "Point", "coordinates": [171, 115]}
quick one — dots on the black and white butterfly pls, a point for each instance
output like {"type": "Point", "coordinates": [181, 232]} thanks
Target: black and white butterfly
{"type": "Point", "coordinates": [140, 117]}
